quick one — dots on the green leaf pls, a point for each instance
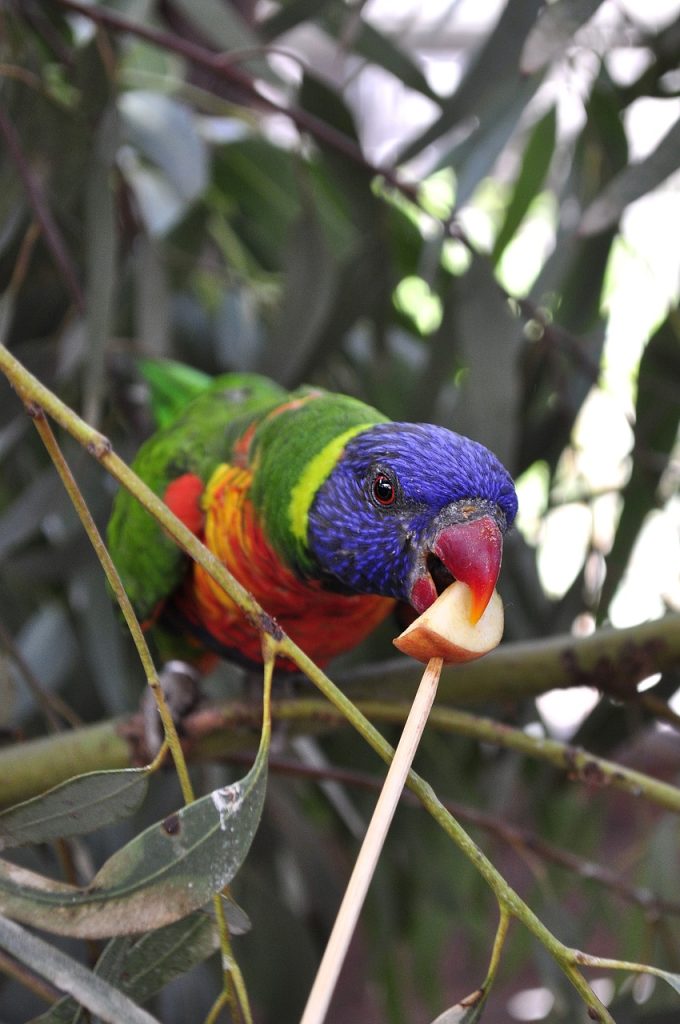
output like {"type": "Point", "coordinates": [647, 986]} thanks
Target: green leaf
{"type": "Point", "coordinates": [474, 158]}
{"type": "Point", "coordinates": [258, 182]}
{"type": "Point", "coordinates": [488, 339]}
{"type": "Point", "coordinates": [375, 47]}
{"type": "Point", "coordinates": [223, 28]}
{"type": "Point", "coordinates": [537, 158]}
{"type": "Point", "coordinates": [469, 1011]}
{"type": "Point", "coordinates": [142, 967]}
{"type": "Point", "coordinates": [494, 70]}
{"type": "Point", "coordinates": [68, 975]}
{"type": "Point", "coordinates": [101, 240]}
{"type": "Point", "coordinates": [80, 805]}
{"type": "Point", "coordinates": [631, 183]}
{"type": "Point", "coordinates": [165, 132]}
{"type": "Point", "coordinates": [171, 869]}
{"type": "Point", "coordinates": [553, 31]}
{"type": "Point", "coordinates": [671, 979]}
{"type": "Point", "coordinates": [288, 16]}
{"type": "Point", "coordinates": [657, 415]}
{"type": "Point", "coordinates": [570, 286]}
{"type": "Point", "coordinates": [309, 286]}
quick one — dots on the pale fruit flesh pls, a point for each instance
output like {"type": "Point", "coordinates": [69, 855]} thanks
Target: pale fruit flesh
{"type": "Point", "coordinates": [444, 630]}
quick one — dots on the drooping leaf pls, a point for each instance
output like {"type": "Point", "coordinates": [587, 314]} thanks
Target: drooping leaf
{"type": "Point", "coordinates": [164, 133]}
{"type": "Point", "coordinates": [257, 181]}
{"type": "Point", "coordinates": [474, 158]}
{"type": "Point", "coordinates": [80, 805]}
{"type": "Point", "coordinates": [310, 282]}
{"type": "Point", "coordinates": [223, 27]}
{"type": "Point", "coordinates": [376, 47]}
{"type": "Point", "coordinates": [141, 967]}
{"type": "Point", "coordinates": [101, 241]}
{"type": "Point", "coordinates": [634, 181]}
{"type": "Point", "coordinates": [469, 1011]}
{"type": "Point", "coordinates": [657, 415]}
{"type": "Point", "coordinates": [48, 646]}
{"type": "Point", "coordinates": [494, 69]}
{"type": "Point", "coordinates": [23, 517]}
{"type": "Point", "coordinates": [169, 870]}
{"type": "Point", "coordinates": [488, 339]}
{"type": "Point", "coordinates": [69, 976]}
{"type": "Point", "coordinates": [560, 367]}
{"type": "Point", "coordinates": [553, 31]}
{"type": "Point", "coordinates": [289, 16]}
{"type": "Point", "coordinates": [538, 154]}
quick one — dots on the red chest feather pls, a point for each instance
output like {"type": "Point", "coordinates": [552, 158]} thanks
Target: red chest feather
{"type": "Point", "coordinates": [322, 623]}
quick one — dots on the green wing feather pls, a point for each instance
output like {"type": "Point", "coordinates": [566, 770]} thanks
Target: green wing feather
{"type": "Point", "coordinates": [196, 441]}
{"type": "Point", "coordinates": [172, 386]}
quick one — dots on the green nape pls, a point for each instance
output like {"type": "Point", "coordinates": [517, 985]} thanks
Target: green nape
{"type": "Point", "coordinates": [196, 441]}
{"type": "Point", "coordinates": [295, 451]}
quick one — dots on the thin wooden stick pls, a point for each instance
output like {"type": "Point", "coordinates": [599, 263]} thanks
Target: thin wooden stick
{"type": "Point", "coordinates": [355, 894]}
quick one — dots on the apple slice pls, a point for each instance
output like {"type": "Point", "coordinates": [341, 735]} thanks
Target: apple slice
{"type": "Point", "coordinates": [444, 629]}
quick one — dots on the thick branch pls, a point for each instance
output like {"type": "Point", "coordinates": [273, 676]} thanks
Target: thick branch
{"type": "Point", "coordinates": [612, 660]}
{"type": "Point", "coordinates": [220, 731]}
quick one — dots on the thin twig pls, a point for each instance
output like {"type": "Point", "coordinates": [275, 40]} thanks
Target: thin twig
{"type": "Point", "coordinates": [374, 840]}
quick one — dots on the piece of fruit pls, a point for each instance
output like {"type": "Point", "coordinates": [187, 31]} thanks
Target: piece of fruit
{"type": "Point", "coordinates": [444, 630]}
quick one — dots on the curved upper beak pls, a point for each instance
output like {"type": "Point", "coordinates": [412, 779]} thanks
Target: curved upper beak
{"type": "Point", "coordinates": [469, 551]}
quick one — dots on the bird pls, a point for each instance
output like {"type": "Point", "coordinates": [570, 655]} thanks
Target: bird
{"type": "Point", "coordinates": [329, 513]}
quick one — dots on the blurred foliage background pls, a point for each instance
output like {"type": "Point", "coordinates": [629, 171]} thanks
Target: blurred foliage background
{"type": "Point", "coordinates": [464, 213]}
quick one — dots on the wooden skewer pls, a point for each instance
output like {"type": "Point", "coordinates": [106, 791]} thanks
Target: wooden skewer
{"type": "Point", "coordinates": [362, 873]}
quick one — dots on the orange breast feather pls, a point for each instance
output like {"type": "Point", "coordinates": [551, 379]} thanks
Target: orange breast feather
{"type": "Point", "coordinates": [322, 623]}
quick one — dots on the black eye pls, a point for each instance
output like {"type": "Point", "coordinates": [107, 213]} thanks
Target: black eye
{"type": "Point", "coordinates": [383, 489]}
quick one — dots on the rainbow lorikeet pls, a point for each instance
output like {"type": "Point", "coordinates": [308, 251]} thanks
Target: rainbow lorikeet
{"type": "Point", "coordinates": [326, 511]}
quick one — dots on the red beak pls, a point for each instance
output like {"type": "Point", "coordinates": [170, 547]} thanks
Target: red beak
{"type": "Point", "coordinates": [471, 551]}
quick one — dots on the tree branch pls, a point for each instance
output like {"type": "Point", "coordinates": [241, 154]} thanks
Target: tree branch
{"type": "Point", "coordinates": [611, 660]}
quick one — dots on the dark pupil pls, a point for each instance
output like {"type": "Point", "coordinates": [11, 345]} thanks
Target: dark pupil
{"type": "Point", "coordinates": [383, 490]}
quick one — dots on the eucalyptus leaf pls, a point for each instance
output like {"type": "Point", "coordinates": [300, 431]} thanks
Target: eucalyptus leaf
{"type": "Point", "coordinates": [288, 16]}
{"type": "Point", "coordinates": [537, 157]}
{"type": "Point", "coordinates": [492, 71]}
{"type": "Point", "coordinates": [553, 31]}
{"type": "Point", "coordinates": [166, 872]}
{"type": "Point", "coordinates": [80, 805]}
{"type": "Point", "coordinates": [165, 132]}
{"type": "Point", "coordinates": [142, 967]}
{"type": "Point", "coordinates": [631, 183]}
{"type": "Point", "coordinates": [48, 646]}
{"type": "Point", "coordinates": [101, 241]}
{"type": "Point", "coordinates": [474, 158]}
{"type": "Point", "coordinates": [488, 345]}
{"type": "Point", "coordinates": [657, 415]}
{"type": "Point", "coordinates": [95, 994]}
{"type": "Point", "coordinates": [309, 285]}
{"type": "Point", "coordinates": [469, 1011]}
{"type": "Point", "coordinates": [671, 979]}
{"type": "Point", "coordinates": [223, 27]}
{"type": "Point", "coordinates": [376, 47]}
